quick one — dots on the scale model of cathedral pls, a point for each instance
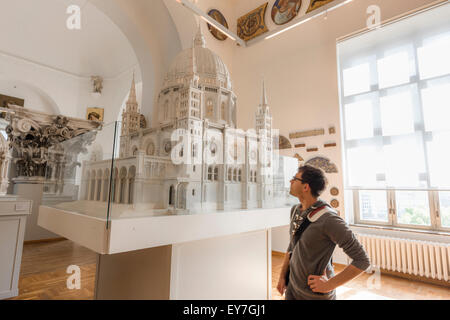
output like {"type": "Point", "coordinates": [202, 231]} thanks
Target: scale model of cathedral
{"type": "Point", "coordinates": [222, 169]}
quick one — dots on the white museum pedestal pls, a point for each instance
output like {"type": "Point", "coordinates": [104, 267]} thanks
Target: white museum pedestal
{"type": "Point", "coordinates": [13, 215]}
{"type": "Point", "coordinates": [33, 189]}
{"type": "Point", "coordinates": [223, 255]}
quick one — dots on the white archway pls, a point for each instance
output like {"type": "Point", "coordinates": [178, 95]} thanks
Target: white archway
{"type": "Point", "coordinates": [142, 22]}
{"type": "Point", "coordinates": [35, 97]}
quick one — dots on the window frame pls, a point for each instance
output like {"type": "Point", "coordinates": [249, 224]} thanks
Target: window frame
{"type": "Point", "coordinates": [416, 84]}
{"type": "Point", "coordinates": [438, 211]}
{"type": "Point", "coordinates": [434, 210]}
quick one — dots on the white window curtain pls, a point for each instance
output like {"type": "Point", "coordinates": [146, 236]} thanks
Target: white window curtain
{"type": "Point", "coordinates": [395, 98]}
{"type": "Point", "coordinates": [395, 107]}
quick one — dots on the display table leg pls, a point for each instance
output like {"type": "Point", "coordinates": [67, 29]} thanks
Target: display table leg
{"type": "Point", "coordinates": [136, 275]}
{"type": "Point", "coordinates": [223, 268]}
{"type": "Point", "coordinates": [34, 192]}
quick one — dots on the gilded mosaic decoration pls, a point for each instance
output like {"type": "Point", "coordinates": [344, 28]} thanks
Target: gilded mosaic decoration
{"type": "Point", "coordinates": [284, 11]}
{"type": "Point", "coordinates": [315, 4]}
{"type": "Point", "coordinates": [252, 24]}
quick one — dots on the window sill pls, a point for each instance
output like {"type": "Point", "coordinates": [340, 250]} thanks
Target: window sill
{"type": "Point", "coordinates": [416, 231]}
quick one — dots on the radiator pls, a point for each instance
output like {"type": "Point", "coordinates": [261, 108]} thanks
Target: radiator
{"type": "Point", "coordinates": [420, 258]}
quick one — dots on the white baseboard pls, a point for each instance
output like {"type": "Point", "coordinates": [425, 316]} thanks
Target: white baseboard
{"type": "Point", "coordinates": [9, 294]}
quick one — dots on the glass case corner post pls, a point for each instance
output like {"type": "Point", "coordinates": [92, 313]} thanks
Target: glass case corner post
{"type": "Point", "coordinates": [116, 126]}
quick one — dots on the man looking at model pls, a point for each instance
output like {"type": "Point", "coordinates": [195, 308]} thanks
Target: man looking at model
{"type": "Point", "coordinates": [308, 259]}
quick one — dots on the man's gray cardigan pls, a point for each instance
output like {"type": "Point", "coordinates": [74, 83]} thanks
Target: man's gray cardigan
{"type": "Point", "coordinates": [313, 252]}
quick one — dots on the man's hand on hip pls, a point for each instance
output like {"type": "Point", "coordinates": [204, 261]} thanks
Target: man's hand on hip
{"type": "Point", "coordinates": [319, 284]}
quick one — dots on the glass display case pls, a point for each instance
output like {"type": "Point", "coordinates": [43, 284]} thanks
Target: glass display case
{"type": "Point", "coordinates": [78, 173]}
{"type": "Point", "coordinates": [108, 175]}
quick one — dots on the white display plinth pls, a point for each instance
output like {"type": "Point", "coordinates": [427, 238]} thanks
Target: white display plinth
{"type": "Point", "coordinates": [224, 255]}
{"type": "Point", "coordinates": [13, 215]}
{"type": "Point", "coordinates": [33, 189]}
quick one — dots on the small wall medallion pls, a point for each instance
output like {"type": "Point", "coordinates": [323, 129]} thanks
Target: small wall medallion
{"type": "Point", "coordinates": [334, 191]}
{"type": "Point", "coordinates": [218, 16]}
{"type": "Point", "coordinates": [334, 203]}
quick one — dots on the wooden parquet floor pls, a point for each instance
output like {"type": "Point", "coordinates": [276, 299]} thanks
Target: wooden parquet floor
{"type": "Point", "coordinates": [43, 271]}
{"type": "Point", "coordinates": [362, 288]}
{"type": "Point", "coordinates": [43, 277]}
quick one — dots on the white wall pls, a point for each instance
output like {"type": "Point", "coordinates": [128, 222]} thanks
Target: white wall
{"type": "Point", "coordinates": [34, 81]}
{"type": "Point", "coordinates": [116, 35]}
{"type": "Point", "coordinates": [300, 69]}
{"type": "Point", "coordinates": [151, 32]}
{"type": "Point", "coordinates": [49, 65]}
{"type": "Point", "coordinates": [34, 98]}
{"type": "Point", "coordinates": [280, 239]}
{"type": "Point", "coordinates": [57, 92]}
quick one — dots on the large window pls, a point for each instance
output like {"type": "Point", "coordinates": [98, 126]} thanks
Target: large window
{"type": "Point", "coordinates": [395, 106]}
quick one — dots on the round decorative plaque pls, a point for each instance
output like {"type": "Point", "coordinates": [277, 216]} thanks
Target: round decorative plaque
{"type": "Point", "coordinates": [334, 191]}
{"type": "Point", "coordinates": [218, 16]}
{"type": "Point", "coordinates": [334, 203]}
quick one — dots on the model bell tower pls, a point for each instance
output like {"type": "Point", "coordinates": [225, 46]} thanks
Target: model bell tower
{"type": "Point", "coordinates": [131, 119]}
{"type": "Point", "coordinates": [263, 117]}
{"type": "Point", "coordinates": [265, 146]}
{"type": "Point", "coordinates": [131, 116]}
{"type": "Point", "coordinates": [264, 126]}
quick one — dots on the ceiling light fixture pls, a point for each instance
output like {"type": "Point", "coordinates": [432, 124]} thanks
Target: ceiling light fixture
{"type": "Point", "coordinates": [228, 35]}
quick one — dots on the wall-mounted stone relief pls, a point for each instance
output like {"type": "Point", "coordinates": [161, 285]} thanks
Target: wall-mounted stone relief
{"type": "Point", "coordinates": [323, 163]}
{"type": "Point", "coordinates": [330, 145]}
{"type": "Point", "coordinates": [305, 134]}
{"type": "Point", "coordinates": [284, 143]}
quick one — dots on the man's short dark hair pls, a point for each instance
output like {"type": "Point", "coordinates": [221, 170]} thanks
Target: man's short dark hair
{"type": "Point", "coordinates": [315, 178]}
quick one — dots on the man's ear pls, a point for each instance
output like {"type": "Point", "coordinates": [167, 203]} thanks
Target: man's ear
{"type": "Point", "coordinates": [307, 188]}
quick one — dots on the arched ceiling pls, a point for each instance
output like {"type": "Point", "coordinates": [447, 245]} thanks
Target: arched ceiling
{"type": "Point", "coordinates": [185, 22]}
{"type": "Point", "coordinates": [152, 34]}
{"type": "Point", "coordinates": [31, 92]}
{"type": "Point", "coordinates": [115, 36]}
{"type": "Point", "coordinates": [37, 32]}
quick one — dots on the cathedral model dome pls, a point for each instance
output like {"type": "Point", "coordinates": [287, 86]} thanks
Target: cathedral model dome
{"type": "Point", "coordinates": [209, 66]}
{"type": "Point", "coordinates": [213, 166]}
